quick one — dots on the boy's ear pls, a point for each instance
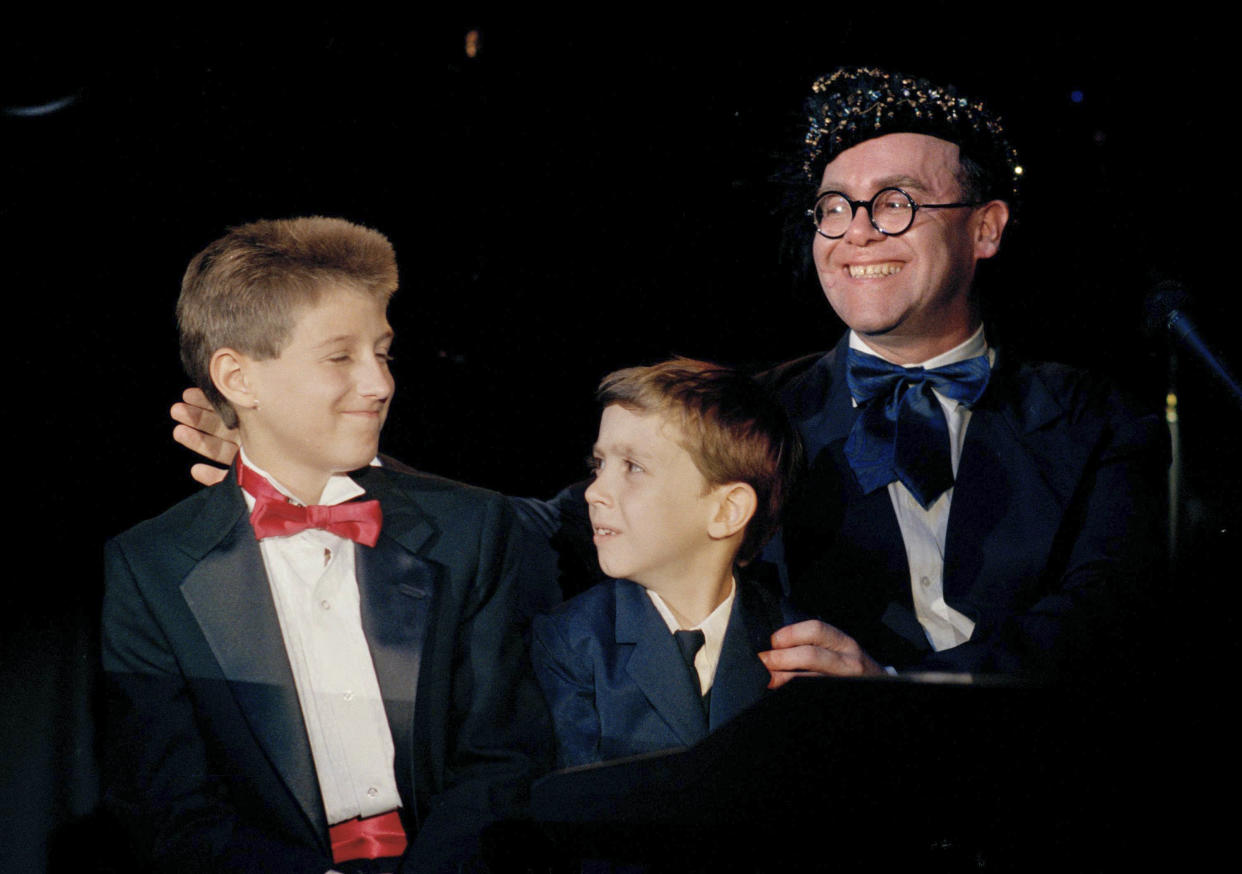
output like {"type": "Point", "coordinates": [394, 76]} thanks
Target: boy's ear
{"type": "Point", "coordinates": [229, 370]}
{"type": "Point", "coordinates": [735, 506]}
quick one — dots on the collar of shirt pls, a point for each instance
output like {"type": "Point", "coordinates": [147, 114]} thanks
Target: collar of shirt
{"type": "Point", "coordinates": [337, 490]}
{"type": "Point", "coordinates": [972, 347]}
{"type": "Point", "coordinates": [713, 628]}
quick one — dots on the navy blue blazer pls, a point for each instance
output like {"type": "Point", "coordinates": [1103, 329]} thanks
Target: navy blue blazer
{"type": "Point", "coordinates": [207, 759]}
{"type": "Point", "coordinates": [616, 682]}
{"type": "Point", "coordinates": [1054, 536]}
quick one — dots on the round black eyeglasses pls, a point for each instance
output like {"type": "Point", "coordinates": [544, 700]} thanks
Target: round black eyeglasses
{"type": "Point", "coordinates": [891, 212]}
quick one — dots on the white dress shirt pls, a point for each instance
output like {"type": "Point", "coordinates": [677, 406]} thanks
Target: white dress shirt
{"type": "Point", "coordinates": [713, 628]}
{"type": "Point", "coordinates": [315, 587]}
{"type": "Point", "coordinates": [923, 531]}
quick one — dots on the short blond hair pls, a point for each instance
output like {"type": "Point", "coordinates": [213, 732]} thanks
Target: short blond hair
{"type": "Point", "coordinates": [733, 429]}
{"type": "Point", "coordinates": [245, 290]}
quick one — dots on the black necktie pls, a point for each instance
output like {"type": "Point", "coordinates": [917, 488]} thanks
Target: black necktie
{"type": "Point", "coordinates": [690, 642]}
{"type": "Point", "coordinates": [901, 433]}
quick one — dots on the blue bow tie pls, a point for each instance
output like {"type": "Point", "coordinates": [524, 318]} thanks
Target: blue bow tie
{"type": "Point", "coordinates": [901, 433]}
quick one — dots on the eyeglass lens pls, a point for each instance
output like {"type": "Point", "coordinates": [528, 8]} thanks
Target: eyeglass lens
{"type": "Point", "coordinates": [891, 210]}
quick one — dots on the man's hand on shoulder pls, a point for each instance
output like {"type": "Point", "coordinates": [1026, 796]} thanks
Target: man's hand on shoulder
{"type": "Point", "coordinates": [813, 648]}
{"type": "Point", "coordinates": [201, 430]}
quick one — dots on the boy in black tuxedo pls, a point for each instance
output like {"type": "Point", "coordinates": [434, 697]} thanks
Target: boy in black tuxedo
{"type": "Point", "coordinates": [691, 467]}
{"type": "Point", "coordinates": [300, 680]}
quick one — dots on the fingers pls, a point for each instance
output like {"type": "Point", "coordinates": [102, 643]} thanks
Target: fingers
{"type": "Point", "coordinates": [190, 417]}
{"type": "Point", "coordinates": [196, 397]}
{"type": "Point", "coordinates": [804, 660]}
{"type": "Point", "coordinates": [206, 445]}
{"type": "Point", "coordinates": [195, 412]}
{"type": "Point", "coordinates": [207, 474]}
{"type": "Point", "coordinates": [814, 647]}
{"type": "Point", "coordinates": [200, 429]}
{"type": "Point", "coordinates": [780, 678]}
{"type": "Point", "coordinates": [812, 632]}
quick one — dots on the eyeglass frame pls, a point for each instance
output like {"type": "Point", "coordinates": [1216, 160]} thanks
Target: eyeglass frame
{"type": "Point", "coordinates": [869, 204]}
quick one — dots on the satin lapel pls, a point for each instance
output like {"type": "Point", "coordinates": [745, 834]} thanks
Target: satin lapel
{"type": "Point", "coordinates": [1015, 477]}
{"type": "Point", "coordinates": [397, 589]}
{"type": "Point", "coordinates": [741, 679]}
{"type": "Point", "coordinates": [825, 412]}
{"type": "Point", "coordinates": [656, 665]}
{"type": "Point", "coordinates": [228, 593]}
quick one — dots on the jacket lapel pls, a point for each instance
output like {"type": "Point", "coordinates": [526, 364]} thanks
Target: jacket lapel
{"type": "Point", "coordinates": [653, 665]}
{"type": "Point", "coordinates": [741, 679]}
{"type": "Point", "coordinates": [822, 410]}
{"type": "Point", "coordinates": [228, 593]}
{"type": "Point", "coordinates": [397, 588]}
{"type": "Point", "coordinates": [1015, 477]}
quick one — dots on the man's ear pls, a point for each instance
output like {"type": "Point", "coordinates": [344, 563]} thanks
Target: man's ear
{"type": "Point", "coordinates": [990, 221]}
{"type": "Point", "coordinates": [735, 505]}
{"type": "Point", "coordinates": [230, 371]}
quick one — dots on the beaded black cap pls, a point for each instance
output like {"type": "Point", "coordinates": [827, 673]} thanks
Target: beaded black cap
{"type": "Point", "coordinates": [854, 104]}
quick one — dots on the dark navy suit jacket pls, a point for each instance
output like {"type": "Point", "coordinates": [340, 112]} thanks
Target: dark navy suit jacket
{"type": "Point", "coordinates": [1054, 536]}
{"type": "Point", "coordinates": [207, 758]}
{"type": "Point", "coordinates": [616, 682]}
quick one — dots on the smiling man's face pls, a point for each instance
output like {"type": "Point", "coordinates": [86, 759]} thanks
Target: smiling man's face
{"type": "Point", "coordinates": [907, 295]}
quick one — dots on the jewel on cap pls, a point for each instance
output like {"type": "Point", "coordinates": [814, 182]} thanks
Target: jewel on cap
{"type": "Point", "coordinates": [854, 104]}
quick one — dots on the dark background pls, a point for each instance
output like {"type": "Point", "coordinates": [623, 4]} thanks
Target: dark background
{"type": "Point", "coordinates": [575, 198]}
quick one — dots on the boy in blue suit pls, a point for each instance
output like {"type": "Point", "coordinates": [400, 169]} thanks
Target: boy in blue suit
{"type": "Point", "coordinates": [299, 680]}
{"type": "Point", "coordinates": [691, 467]}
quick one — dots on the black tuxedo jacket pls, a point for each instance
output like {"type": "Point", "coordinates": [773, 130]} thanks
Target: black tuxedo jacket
{"type": "Point", "coordinates": [208, 762]}
{"type": "Point", "coordinates": [616, 682]}
{"type": "Point", "coordinates": [1054, 534]}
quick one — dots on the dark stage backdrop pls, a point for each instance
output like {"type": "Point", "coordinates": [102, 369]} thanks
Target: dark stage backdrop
{"type": "Point", "coordinates": [570, 199]}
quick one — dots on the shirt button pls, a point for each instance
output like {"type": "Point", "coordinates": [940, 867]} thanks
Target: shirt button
{"type": "Point", "coordinates": [349, 695]}
{"type": "Point", "coordinates": [372, 792]}
{"type": "Point", "coordinates": [925, 582]}
{"type": "Point", "coordinates": [325, 604]}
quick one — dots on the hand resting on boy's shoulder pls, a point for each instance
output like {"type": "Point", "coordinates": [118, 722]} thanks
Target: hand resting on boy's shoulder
{"type": "Point", "coordinates": [201, 430]}
{"type": "Point", "coordinates": [815, 648]}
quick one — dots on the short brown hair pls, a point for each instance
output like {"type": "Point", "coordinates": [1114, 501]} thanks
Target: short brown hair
{"type": "Point", "coordinates": [734, 430]}
{"type": "Point", "coordinates": [245, 290]}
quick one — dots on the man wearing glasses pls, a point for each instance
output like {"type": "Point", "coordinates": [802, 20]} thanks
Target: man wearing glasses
{"type": "Point", "coordinates": [962, 511]}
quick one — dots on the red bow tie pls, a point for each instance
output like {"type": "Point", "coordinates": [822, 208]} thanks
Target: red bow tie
{"type": "Point", "coordinates": [274, 516]}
